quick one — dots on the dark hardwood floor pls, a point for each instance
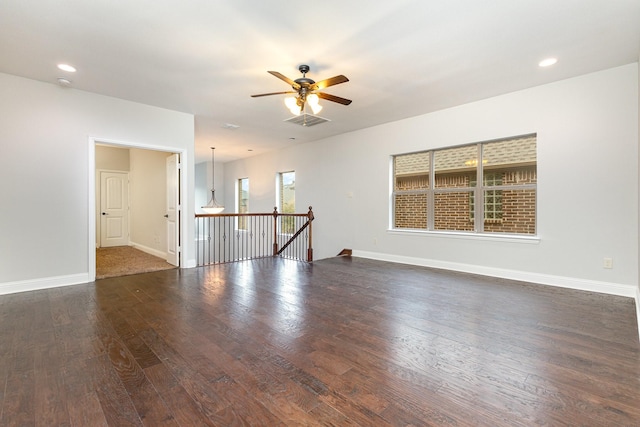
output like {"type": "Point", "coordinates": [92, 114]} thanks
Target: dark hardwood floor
{"type": "Point", "coordinates": [342, 342]}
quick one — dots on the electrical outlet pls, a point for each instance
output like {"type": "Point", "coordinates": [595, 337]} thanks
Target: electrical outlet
{"type": "Point", "coordinates": [608, 263]}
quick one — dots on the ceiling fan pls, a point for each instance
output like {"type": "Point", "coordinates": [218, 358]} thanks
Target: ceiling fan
{"type": "Point", "coordinates": [308, 91]}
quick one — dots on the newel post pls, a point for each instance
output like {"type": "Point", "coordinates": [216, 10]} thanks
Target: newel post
{"type": "Point", "coordinates": [310, 248]}
{"type": "Point", "coordinates": [275, 231]}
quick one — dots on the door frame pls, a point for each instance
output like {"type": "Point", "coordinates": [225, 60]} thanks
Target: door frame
{"type": "Point", "coordinates": [92, 194]}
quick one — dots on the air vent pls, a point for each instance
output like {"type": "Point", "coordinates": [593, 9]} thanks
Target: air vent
{"type": "Point", "coordinates": [307, 120]}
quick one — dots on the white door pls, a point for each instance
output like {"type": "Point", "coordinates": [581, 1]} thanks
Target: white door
{"type": "Point", "coordinates": [114, 209]}
{"type": "Point", "coordinates": [173, 209]}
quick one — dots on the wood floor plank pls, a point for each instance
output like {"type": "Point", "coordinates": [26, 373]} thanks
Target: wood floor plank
{"type": "Point", "coordinates": [195, 383]}
{"type": "Point", "coordinates": [203, 355]}
{"type": "Point", "coordinates": [149, 407]}
{"type": "Point", "coordinates": [280, 396]}
{"type": "Point", "coordinates": [18, 405]}
{"type": "Point", "coordinates": [59, 309]}
{"type": "Point", "coordinates": [184, 409]}
{"type": "Point", "coordinates": [143, 356]}
{"type": "Point", "coordinates": [341, 342]}
{"type": "Point", "coordinates": [86, 410]}
{"type": "Point", "coordinates": [114, 399]}
{"type": "Point", "coordinates": [50, 401]}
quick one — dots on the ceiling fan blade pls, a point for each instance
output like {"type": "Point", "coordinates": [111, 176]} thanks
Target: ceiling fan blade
{"type": "Point", "coordinates": [295, 85]}
{"type": "Point", "coordinates": [272, 93]}
{"type": "Point", "coordinates": [329, 82]}
{"type": "Point", "coordinates": [334, 98]}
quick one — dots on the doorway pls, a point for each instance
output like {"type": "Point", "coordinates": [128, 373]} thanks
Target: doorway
{"type": "Point", "coordinates": [136, 178]}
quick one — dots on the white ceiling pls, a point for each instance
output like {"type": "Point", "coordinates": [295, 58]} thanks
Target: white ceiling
{"type": "Point", "coordinates": [403, 57]}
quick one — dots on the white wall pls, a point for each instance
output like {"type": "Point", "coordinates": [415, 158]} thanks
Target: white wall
{"type": "Point", "coordinates": [148, 196]}
{"type": "Point", "coordinates": [44, 166]}
{"type": "Point", "coordinates": [587, 131]}
{"type": "Point", "coordinates": [638, 264]}
{"type": "Point", "coordinates": [202, 186]}
{"type": "Point", "coordinates": [112, 158]}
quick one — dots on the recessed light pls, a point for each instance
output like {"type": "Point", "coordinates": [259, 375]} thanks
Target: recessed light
{"type": "Point", "coordinates": [67, 67]}
{"type": "Point", "coordinates": [547, 62]}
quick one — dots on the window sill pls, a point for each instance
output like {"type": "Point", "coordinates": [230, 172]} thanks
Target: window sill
{"type": "Point", "coordinates": [512, 238]}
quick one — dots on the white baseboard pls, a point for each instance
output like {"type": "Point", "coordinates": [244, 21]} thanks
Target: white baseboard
{"type": "Point", "coordinates": [542, 279]}
{"type": "Point", "coordinates": [72, 279]}
{"type": "Point", "coordinates": [43, 283]}
{"type": "Point", "coordinates": [147, 249]}
{"type": "Point", "coordinates": [191, 263]}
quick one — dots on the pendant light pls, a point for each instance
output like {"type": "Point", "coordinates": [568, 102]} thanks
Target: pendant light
{"type": "Point", "coordinates": [213, 207]}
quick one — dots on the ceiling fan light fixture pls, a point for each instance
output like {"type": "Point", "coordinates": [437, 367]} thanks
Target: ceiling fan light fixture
{"type": "Point", "coordinates": [313, 99]}
{"type": "Point", "coordinates": [292, 105]}
{"type": "Point", "coordinates": [308, 91]}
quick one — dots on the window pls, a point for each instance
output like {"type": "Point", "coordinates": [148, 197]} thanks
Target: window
{"type": "Point", "coordinates": [287, 192]}
{"type": "Point", "coordinates": [492, 198]}
{"type": "Point", "coordinates": [243, 202]}
{"type": "Point", "coordinates": [287, 200]}
{"type": "Point", "coordinates": [440, 190]}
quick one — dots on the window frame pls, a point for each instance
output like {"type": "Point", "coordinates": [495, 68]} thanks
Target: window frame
{"type": "Point", "coordinates": [286, 223]}
{"type": "Point", "coordinates": [280, 191]}
{"type": "Point", "coordinates": [241, 222]}
{"type": "Point", "coordinates": [478, 192]}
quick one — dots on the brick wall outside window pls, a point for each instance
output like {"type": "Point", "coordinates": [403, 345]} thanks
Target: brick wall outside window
{"type": "Point", "coordinates": [452, 209]}
{"type": "Point", "coordinates": [411, 211]}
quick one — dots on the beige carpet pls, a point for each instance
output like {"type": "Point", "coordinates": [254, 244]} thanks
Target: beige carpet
{"type": "Point", "coordinates": [126, 260]}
